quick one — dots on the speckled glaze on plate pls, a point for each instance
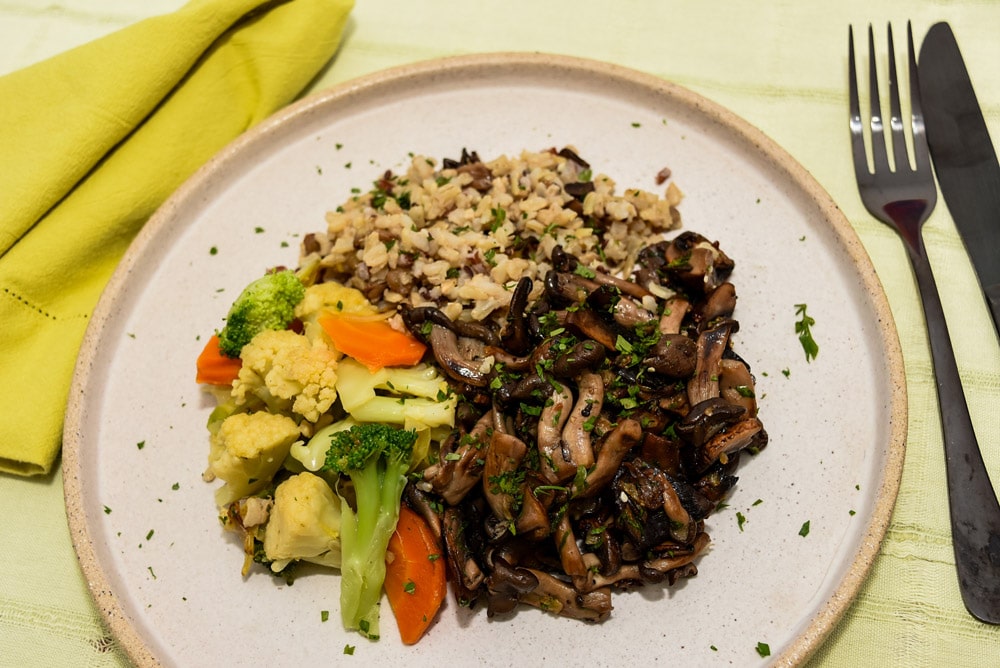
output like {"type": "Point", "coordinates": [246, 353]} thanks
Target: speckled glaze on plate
{"type": "Point", "coordinates": [167, 578]}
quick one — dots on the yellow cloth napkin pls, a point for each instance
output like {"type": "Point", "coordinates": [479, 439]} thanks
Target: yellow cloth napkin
{"type": "Point", "coordinates": [91, 143]}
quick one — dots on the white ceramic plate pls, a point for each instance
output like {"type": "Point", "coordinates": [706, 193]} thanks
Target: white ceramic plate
{"type": "Point", "coordinates": [167, 578]}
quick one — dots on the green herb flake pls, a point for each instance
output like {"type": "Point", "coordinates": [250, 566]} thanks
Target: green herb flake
{"type": "Point", "coordinates": [804, 531]}
{"type": "Point", "coordinates": [636, 125]}
{"type": "Point", "coordinates": [410, 587]}
{"type": "Point", "coordinates": [214, 250]}
{"type": "Point", "coordinates": [150, 569]}
{"type": "Point", "coordinates": [107, 511]}
{"type": "Point", "coordinates": [140, 445]}
{"type": "Point", "coordinates": [149, 535]}
{"type": "Point", "coordinates": [803, 330]}
{"type": "Point", "coordinates": [176, 486]}
{"type": "Point", "coordinates": [852, 513]}
{"type": "Point", "coordinates": [713, 648]}
{"type": "Point", "coordinates": [740, 519]}
{"type": "Point", "coordinates": [763, 649]}
{"type": "Point", "coordinates": [324, 615]}
{"type": "Point", "coordinates": [585, 175]}
{"type": "Point", "coordinates": [757, 502]}
{"type": "Point", "coordinates": [584, 271]}
{"type": "Point", "coordinates": [786, 372]}
{"type": "Point", "coordinates": [349, 650]}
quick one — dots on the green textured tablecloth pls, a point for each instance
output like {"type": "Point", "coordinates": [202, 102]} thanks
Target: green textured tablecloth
{"type": "Point", "coordinates": [780, 64]}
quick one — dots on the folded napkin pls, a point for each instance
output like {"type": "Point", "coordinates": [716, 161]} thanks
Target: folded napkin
{"type": "Point", "coordinates": [91, 143]}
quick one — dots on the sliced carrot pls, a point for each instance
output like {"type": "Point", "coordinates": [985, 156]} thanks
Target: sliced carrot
{"type": "Point", "coordinates": [215, 368]}
{"type": "Point", "coordinates": [414, 575]}
{"type": "Point", "coordinates": [374, 343]}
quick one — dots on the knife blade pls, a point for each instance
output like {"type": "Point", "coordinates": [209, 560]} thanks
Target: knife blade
{"type": "Point", "coordinates": [963, 155]}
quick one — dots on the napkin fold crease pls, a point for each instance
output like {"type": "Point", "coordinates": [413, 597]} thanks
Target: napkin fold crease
{"type": "Point", "coordinates": [92, 141]}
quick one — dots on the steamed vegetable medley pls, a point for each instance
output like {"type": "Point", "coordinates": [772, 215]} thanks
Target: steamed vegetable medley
{"type": "Point", "coordinates": [487, 373]}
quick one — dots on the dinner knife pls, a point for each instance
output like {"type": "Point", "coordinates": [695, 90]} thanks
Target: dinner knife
{"type": "Point", "coordinates": [963, 155]}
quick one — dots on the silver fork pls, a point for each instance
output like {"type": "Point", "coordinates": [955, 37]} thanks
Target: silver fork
{"type": "Point", "coordinates": [903, 198]}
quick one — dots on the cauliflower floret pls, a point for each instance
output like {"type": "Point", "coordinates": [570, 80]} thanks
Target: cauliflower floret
{"type": "Point", "coordinates": [304, 523]}
{"type": "Point", "coordinates": [287, 372]}
{"type": "Point", "coordinates": [246, 452]}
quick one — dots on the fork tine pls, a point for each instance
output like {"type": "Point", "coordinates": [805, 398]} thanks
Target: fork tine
{"type": "Point", "coordinates": [921, 157]}
{"type": "Point", "coordinates": [897, 136]}
{"type": "Point", "coordinates": [857, 130]}
{"type": "Point", "coordinates": [879, 157]}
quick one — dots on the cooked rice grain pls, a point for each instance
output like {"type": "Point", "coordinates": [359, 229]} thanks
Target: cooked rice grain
{"type": "Point", "coordinates": [459, 237]}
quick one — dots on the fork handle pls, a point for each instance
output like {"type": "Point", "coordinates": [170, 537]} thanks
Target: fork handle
{"type": "Point", "coordinates": [975, 513]}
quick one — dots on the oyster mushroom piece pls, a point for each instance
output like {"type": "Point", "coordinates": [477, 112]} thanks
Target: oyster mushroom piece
{"type": "Point", "coordinates": [707, 418]}
{"type": "Point", "coordinates": [712, 343]}
{"type": "Point", "coordinates": [444, 344]}
{"type": "Point", "coordinates": [736, 385]}
{"type": "Point", "coordinates": [501, 487]}
{"type": "Point", "coordinates": [673, 315]}
{"type": "Point", "coordinates": [614, 447]}
{"type": "Point", "coordinates": [555, 596]}
{"type": "Point", "coordinates": [556, 467]}
{"type": "Point", "coordinates": [674, 356]}
{"type": "Point", "coordinates": [460, 464]}
{"type": "Point", "coordinates": [720, 304]}
{"type": "Point", "coordinates": [516, 338]}
{"type": "Point", "coordinates": [576, 432]}
{"type": "Point", "coordinates": [731, 440]}
{"type": "Point", "coordinates": [463, 569]}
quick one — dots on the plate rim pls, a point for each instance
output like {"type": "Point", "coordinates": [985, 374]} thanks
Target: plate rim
{"type": "Point", "coordinates": [816, 630]}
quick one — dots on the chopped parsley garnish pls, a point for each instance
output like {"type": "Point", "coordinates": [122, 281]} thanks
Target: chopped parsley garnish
{"type": "Point", "coordinates": [802, 328]}
{"type": "Point", "coordinates": [324, 615]}
{"type": "Point", "coordinates": [804, 531]}
{"type": "Point", "coordinates": [410, 587]}
{"type": "Point", "coordinates": [349, 650]}
{"type": "Point", "coordinates": [140, 445]}
{"type": "Point", "coordinates": [740, 519]}
{"type": "Point", "coordinates": [763, 649]}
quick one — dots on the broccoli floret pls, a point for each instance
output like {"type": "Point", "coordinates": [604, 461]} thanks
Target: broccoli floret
{"type": "Point", "coordinates": [267, 303]}
{"type": "Point", "coordinates": [376, 458]}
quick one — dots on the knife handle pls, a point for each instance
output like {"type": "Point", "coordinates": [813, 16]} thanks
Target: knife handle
{"type": "Point", "coordinates": [975, 512]}
{"type": "Point", "coordinates": [992, 293]}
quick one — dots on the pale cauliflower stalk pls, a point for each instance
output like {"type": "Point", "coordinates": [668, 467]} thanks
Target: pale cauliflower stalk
{"type": "Point", "coordinates": [246, 452]}
{"type": "Point", "coordinates": [304, 523]}
{"type": "Point", "coordinates": [288, 372]}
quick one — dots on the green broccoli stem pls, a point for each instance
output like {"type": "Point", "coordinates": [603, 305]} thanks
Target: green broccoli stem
{"type": "Point", "coordinates": [364, 538]}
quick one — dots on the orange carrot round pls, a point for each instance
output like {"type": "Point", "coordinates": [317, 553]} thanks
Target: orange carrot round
{"type": "Point", "coordinates": [215, 368]}
{"type": "Point", "coordinates": [414, 575]}
{"type": "Point", "coordinates": [374, 343]}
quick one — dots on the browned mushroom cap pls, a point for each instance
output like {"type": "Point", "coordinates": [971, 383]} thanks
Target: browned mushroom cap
{"type": "Point", "coordinates": [698, 263]}
{"type": "Point", "coordinates": [586, 323]}
{"type": "Point", "coordinates": [707, 418]}
{"type": "Point", "coordinates": [736, 385]}
{"type": "Point", "coordinates": [614, 446]}
{"type": "Point", "coordinates": [650, 510]}
{"type": "Point", "coordinates": [460, 464]}
{"type": "Point", "coordinates": [674, 356]}
{"type": "Point", "coordinates": [503, 457]}
{"type": "Point", "coordinates": [464, 572]}
{"type": "Point", "coordinates": [555, 596]}
{"type": "Point", "coordinates": [516, 338]}
{"type": "Point", "coordinates": [720, 304]}
{"type": "Point", "coordinates": [444, 344]}
{"type": "Point", "coordinates": [505, 586]}
{"type": "Point", "coordinates": [732, 439]}
{"type": "Point", "coordinates": [533, 522]}
{"type": "Point", "coordinates": [712, 344]}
